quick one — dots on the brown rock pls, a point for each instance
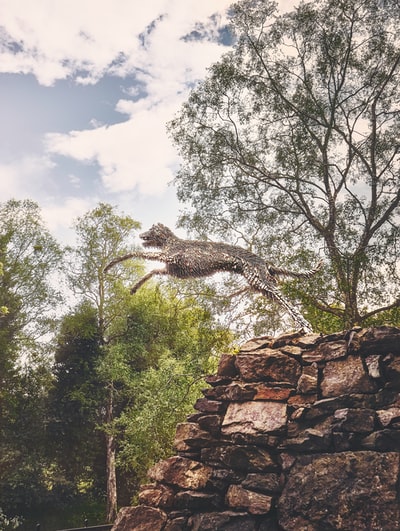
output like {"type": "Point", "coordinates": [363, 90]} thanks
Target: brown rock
{"type": "Point", "coordinates": [310, 439]}
{"type": "Point", "coordinates": [308, 381]}
{"type": "Point", "coordinates": [302, 400]}
{"type": "Point", "coordinates": [254, 417]}
{"type": "Point", "coordinates": [209, 406]}
{"type": "Point", "coordinates": [307, 341]}
{"type": "Point", "coordinates": [354, 420]}
{"type": "Point", "coordinates": [197, 501]}
{"type": "Point", "coordinates": [189, 435]}
{"type": "Point", "coordinates": [215, 380]}
{"type": "Point", "coordinates": [292, 350]}
{"type": "Point", "coordinates": [384, 440]}
{"type": "Point", "coordinates": [256, 343]}
{"type": "Point", "coordinates": [343, 440]}
{"type": "Point", "coordinates": [241, 392]}
{"type": "Point", "coordinates": [246, 458]}
{"type": "Point", "coordinates": [348, 490]}
{"type": "Point", "coordinates": [286, 339]}
{"type": "Point", "coordinates": [228, 520]}
{"type": "Point", "coordinates": [268, 365]}
{"type": "Point", "coordinates": [326, 351]}
{"type": "Point", "coordinates": [226, 366]}
{"type": "Point", "coordinates": [156, 495]}
{"type": "Point", "coordinates": [211, 423]}
{"type": "Point", "coordinates": [345, 377]}
{"type": "Point", "coordinates": [268, 392]}
{"type": "Point", "coordinates": [180, 471]}
{"type": "Point", "coordinates": [267, 482]}
{"type": "Point", "coordinates": [392, 371]}
{"type": "Point", "coordinates": [176, 524]}
{"type": "Point", "coordinates": [235, 391]}
{"type": "Point", "coordinates": [387, 416]}
{"type": "Point", "coordinates": [379, 340]}
{"type": "Point", "coordinates": [255, 503]}
{"type": "Point", "coordinates": [140, 518]}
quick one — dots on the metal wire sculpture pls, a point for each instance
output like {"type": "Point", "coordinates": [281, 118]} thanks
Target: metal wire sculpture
{"type": "Point", "coordinates": [193, 259]}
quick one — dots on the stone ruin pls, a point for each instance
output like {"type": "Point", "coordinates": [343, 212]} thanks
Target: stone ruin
{"type": "Point", "coordinates": [294, 433]}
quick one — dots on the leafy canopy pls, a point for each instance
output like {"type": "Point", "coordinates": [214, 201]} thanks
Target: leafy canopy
{"type": "Point", "coordinates": [292, 145]}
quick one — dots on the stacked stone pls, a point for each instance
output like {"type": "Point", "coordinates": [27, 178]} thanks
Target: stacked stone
{"type": "Point", "coordinates": [300, 432]}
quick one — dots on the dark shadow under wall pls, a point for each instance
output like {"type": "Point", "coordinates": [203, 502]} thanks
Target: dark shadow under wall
{"type": "Point", "coordinates": [296, 433]}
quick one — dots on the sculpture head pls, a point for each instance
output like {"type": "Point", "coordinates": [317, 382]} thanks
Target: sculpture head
{"type": "Point", "coordinates": [157, 236]}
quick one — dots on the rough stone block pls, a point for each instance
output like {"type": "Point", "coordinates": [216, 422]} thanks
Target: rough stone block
{"type": "Point", "coordinates": [388, 416]}
{"type": "Point", "coordinates": [227, 520]}
{"type": "Point", "coordinates": [211, 423]}
{"type": "Point", "coordinates": [255, 503]}
{"type": "Point", "coordinates": [267, 482]}
{"type": "Point", "coordinates": [354, 420]}
{"type": "Point", "coordinates": [226, 366]}
{"type": "Point", "coordinates": [190, 435]}
{"type": "Point", "coordinates": [270, 366]}
{"type": "Point", "coordinates": [182, 472]}
{"type": "Point", "coordinates": [326, 351]}
{"type": "Point", "coordinates": [246, 458]}
{"type": "Point", "coordinates": [346, 377]}
{"type": "Point", "coordinates": [156, 495]}
{"type": "Point", "coordinates": [384, 441]}
{"type": "Point", "coordinates": [380, 339]}
{"type": "Point", "coordinates": [140, 518]}
{"type": "Point", "coordinates": [197, 501]}
{"type": "Point", "coordinates": [209, 406]}
{"type": "Point", "coordinates": [308, 381]}
{"type": "Point", "coordinates": [348, 490]}
{"type": "Point", "coordinates": [254, 417]}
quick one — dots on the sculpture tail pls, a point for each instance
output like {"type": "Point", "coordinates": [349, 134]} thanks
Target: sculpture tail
{"type": "Point", "coordinates": [278, 272]}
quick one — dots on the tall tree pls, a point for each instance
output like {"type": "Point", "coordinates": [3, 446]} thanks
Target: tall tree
{"type": "Point", "coordinates": [30, 257]}
{"type": "Point", "coordinates": [103, 234]}
{"type": "Point", "coordinates": [76, 398]}
{"type": "Point", "coordinates": [292, 144]}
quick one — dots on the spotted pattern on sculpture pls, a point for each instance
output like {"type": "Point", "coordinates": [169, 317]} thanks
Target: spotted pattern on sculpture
{"type": "Point", "coordinates": [193, 259]}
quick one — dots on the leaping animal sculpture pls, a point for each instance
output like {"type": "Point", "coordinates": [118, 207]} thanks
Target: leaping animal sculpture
{"type": "Point", "coordinates": [193, 259]}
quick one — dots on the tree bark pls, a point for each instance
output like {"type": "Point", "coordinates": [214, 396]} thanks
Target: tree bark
{"type": "Point", "coordinates": [110, 466]}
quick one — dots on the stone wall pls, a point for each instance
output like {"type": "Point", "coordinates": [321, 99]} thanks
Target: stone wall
{"type": "Point", "coordinates": [294, 433]}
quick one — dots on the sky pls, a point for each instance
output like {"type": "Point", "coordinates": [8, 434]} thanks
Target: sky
{"type": "Point", "coordinates": [86, 90]}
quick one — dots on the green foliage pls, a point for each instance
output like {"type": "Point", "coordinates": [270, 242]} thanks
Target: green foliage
{"type": "Point", "coordinates": [75, 400]}
{"type": "Point", "coordinates": [164, 396]}
{"type": "Point", "coordinates": [7, 524]}
{"type": "Point", "coordinates": [30, 256]}
{"type": "Point", "coordinates": [23, 456]}
{"type": "Point", "coordinates": [291, 146]}
{"type": "Point", "coordinates": [181, 341]}
{"type": "Point", "coordinates": [124, 368]}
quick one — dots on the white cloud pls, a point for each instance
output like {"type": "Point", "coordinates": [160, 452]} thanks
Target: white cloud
{"type": "Point", "coordinates": [133, 153]}
{"type": "Point", "coordinates": [137, 152]}
{"type": "Point", "coordinates": [59, 217]}
{"type": "Point", "coordinates": [54, 40]}
{"type": "Point", "coordinates": [24, 177]}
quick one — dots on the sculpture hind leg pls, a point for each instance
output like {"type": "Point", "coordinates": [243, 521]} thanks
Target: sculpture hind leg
{"type": "Point", "coordinates": [294, 313]}
{"type": "Point", "coordinates": [270, 291]}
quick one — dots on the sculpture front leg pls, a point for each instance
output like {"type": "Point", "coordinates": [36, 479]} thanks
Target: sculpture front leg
{"type": "Point", "coordinates": [145, 278]}
{"type": "Point", "coordinates": [136, 254]}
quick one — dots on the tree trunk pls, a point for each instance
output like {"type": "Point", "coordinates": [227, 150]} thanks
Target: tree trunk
{"type": "Point", "coordinates": [110, 465]}
{"type": "Point", "coordinates": [111, 479]}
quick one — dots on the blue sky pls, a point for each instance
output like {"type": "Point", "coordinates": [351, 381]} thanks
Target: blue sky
{"type": "Point", "coordinates": [86, 88]}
